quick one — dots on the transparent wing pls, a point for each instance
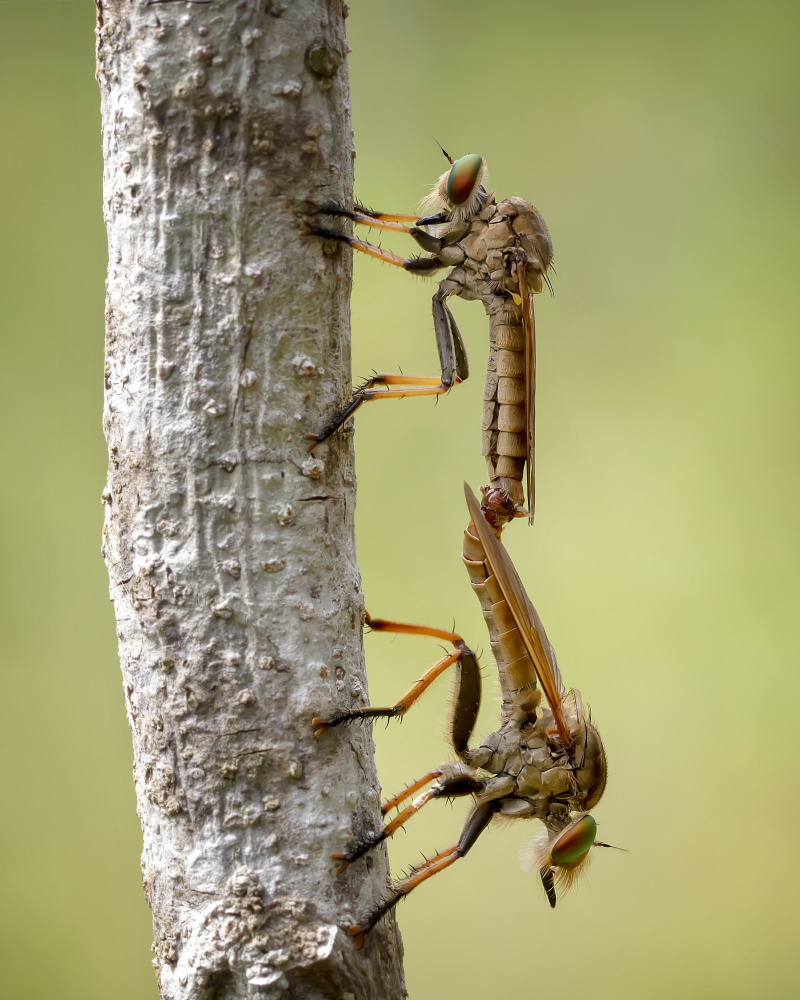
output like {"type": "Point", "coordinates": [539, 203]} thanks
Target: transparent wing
{"type": "Point", "coordinates": [529, 326]}
{"type": "Point", "coordinates": [525, 616]}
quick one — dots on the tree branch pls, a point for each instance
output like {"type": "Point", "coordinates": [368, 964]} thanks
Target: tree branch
{"type": "Point", "coordinates": [231, 551]}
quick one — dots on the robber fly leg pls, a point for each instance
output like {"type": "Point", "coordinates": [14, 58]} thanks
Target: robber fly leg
{"type": "Point", "coordinates": [361, 216]}
{"type": "Point", "coordinates": [466, 699]}
{"type": "Point", "coordinates": [467, 694]}
{"type": "Point", "coordinates": [399, 708]}
{"type": "Point", "coordinates": [476, 823]}
{"type": "Point", "coordinates": [454, 780]}
{"type": "Point", "coordinates": [425, 266]}
{"type": "Point", "coordinates": [418, 386]}
{"type": "Point", "coordinates": [452, 359]}
{"type": "Point", "coordinates": [408, 791]}
{"type": "Point", "coordinates": [452, 353]}
{"type": "Point", "coordinates": [449, 342]}
{"type": "Point", "coordinates": [365, 216]}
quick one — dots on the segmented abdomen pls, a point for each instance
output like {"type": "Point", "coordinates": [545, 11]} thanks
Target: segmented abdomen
{"type": "Point", "coordinates": [505, 422]}
{"type": "Point", "coordinates": [514, 666]}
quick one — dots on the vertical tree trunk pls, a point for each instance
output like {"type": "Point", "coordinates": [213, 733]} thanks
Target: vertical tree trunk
{"type": "Point", "coordinates": [230, 550]}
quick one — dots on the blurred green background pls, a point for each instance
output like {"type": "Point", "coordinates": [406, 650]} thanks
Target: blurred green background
{"type": "Point", "coordinates": [660, 143]}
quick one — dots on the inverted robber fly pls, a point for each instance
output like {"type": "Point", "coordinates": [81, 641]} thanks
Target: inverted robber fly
{"type": "Point", "coordinates": [546, 761]}
{"type": "Point", "coordinates": [499, 254]}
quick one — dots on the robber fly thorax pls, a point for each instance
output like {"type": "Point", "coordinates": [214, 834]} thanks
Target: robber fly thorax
{"type": "Point", "coordinates": [545, 761]}
{"type": "Point", "coordinates": [500, 253]}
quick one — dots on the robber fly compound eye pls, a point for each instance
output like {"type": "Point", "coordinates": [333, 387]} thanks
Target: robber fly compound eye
{"type": "Point", "coordinates": [464, 177]}
{"type": "Point", "coordinates": [574, 842]}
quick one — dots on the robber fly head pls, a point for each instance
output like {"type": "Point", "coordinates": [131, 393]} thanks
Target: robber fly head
{"type": "Point", "coordinates": [459, 189]}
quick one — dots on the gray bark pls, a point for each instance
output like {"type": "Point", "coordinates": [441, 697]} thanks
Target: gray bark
{"type": "Point", "coordinates": [230, 551]}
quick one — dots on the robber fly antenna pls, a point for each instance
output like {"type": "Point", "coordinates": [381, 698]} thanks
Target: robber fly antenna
{"type": "Point", "coordinates": [599, 843]}
{"type": "Point", "coordinates": [446, 154]}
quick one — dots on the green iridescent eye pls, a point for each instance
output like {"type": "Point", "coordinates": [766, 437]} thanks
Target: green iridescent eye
{"type": "Point", "coordinates": [574, 842]}
{"type": "Point", "coordinates": [463, 177]}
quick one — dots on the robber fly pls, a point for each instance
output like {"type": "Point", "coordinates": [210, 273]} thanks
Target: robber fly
{"type": "Point", "coordinates": [546, 761]}
{"type": "Point", "coordinates": [499, 254]}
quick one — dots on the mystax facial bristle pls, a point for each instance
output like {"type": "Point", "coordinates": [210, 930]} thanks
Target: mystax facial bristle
{"type": "Point", "coordinates": [535, 854]}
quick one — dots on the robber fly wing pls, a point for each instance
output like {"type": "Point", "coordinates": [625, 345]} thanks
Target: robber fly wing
{"type": "Point", "coordinates": [523, 612]}
{"type": "Point", "coordinates": [529, 326]}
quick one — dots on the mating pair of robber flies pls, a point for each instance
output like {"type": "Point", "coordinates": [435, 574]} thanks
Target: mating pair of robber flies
{"type": "Point", "coordinates": [546, 760]}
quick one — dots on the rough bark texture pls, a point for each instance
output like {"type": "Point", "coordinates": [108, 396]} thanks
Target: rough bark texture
{"type": "Point", "coordinates": [230, 551]}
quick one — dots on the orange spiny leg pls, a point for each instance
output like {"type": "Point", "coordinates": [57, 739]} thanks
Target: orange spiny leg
{"type": "Point", "coordinates": [400, 707]}
{"type": "Point", "coordinates": [420, 220]}
{"type": "Point", "coordinates": [466, 691]}
{"type": "Point", "coordinates": [361, 216]}
{"type": "Point", "coordinates": [455, 780]}
{"type": "Point", "coordinates": [382, 222]}
{"type": "Point", "coordinates": [384, 216]}
{"type": "Point", "coordinates": [476, 823]}
{"type": "Point", "coordinates": [359, 850]}
{"type": "Point", "coordinates": [360, 210]}
{"type": "Point", "coordinates": [449, 343]}
{"type": "Point", "coordinates": [379, 220]}
{"type": "Point", "coordinates": [367, 394]}
{"type": "Point", "coordinates": [409, 628]}
{"type": "Point", "coordinates": [408, 791]}
{"type": "Point", "coordinates": [417, 265]}
{"type": "Point", "coordinates": [433, 865]}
